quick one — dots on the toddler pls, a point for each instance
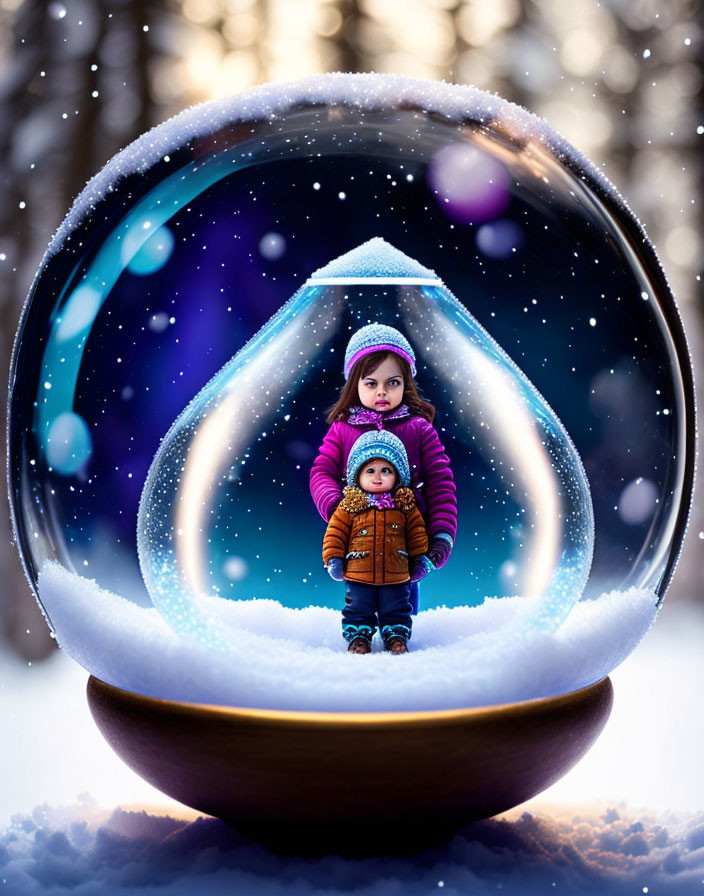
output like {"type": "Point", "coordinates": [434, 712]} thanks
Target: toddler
{"type": "Point", "coordinates": [374, 541]}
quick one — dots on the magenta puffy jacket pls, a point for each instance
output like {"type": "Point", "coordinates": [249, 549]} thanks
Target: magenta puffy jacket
{"type": "Point", "coordinates": [431, 476]}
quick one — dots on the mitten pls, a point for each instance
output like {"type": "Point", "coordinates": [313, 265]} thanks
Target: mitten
{"type": "Point", "coordinates": [334, 568]}
{"type": "Point", "coordinates": [421, 567]}
{"type": "Point", "coordinates": [440, 550]}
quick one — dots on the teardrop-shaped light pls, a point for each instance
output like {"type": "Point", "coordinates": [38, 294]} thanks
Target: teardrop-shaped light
{"type": "Point", "coordinates": [224, 493]}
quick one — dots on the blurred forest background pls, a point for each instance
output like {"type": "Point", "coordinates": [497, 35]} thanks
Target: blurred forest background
{"type": "Point", "coordinates": [80, 79]}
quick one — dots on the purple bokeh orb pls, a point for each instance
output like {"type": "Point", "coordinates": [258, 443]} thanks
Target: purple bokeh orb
{"type": "Point", "coordinates": [499, 239]}
{"type": "Point", "coordinates": [471, 186]}
{"type": "Point", "coordinates": [638, 502]}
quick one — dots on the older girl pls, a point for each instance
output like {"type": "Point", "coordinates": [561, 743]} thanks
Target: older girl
{"type": "Point", "coordinates": [380, 393]}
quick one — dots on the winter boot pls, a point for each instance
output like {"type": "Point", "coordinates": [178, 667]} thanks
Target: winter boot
{"type": "Point", "coordinates": [359, 645]}
{"type": "Point", "coordinates": [396, 645]}
{"type": "Point", "coordinates": [395, 638]}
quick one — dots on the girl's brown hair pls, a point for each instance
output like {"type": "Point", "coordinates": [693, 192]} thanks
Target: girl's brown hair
{"type": "Point", "coordinates": [349, 397]}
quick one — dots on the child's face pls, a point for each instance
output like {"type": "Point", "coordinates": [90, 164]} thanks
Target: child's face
{"type": "Point", "coordinates": [377, 476]}
{"type": "Point", "coordinates": [382, 389]}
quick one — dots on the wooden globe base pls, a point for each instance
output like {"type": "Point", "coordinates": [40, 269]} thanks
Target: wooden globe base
{"type": "Point", "coordinates": [343, 778]}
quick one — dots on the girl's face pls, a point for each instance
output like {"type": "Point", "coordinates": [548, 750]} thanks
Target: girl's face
{"type": "Point", "coordinates": [377, 476]}
{"type": "Point", "coordinates": [382, 389]}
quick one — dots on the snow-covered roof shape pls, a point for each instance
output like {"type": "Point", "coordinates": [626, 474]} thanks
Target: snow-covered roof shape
{"type": "Point", "coordinates": [373, 262]}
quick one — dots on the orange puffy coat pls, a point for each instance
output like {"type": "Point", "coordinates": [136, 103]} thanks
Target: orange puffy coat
{"type": "Point", "coordinates": [375, 544]}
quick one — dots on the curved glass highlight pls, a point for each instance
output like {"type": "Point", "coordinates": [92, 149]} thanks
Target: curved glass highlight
{"type": "Point", "coordinates": [181, 265]}
{"type": "Point", "coordinates": [206, 478]}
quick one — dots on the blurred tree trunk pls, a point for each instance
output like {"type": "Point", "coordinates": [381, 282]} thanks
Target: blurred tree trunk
{"type": "Point", "coordinates": [65, 80]}
{"type": "Point", "coordinates": [21, 245]}
{"type": "Point", "coordinates": [349, 44]}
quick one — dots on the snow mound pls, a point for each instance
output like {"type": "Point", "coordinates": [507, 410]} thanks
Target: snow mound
{"type": "Point", "coordinates": [374, 259]}
{"type": "Point", "coordinates": [296, 659]}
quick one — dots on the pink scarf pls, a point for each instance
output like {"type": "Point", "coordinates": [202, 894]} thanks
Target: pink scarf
{"type": "Point", "coordinates": [384, 501]}
{"type": "Point", "coordinates": [360, 415]}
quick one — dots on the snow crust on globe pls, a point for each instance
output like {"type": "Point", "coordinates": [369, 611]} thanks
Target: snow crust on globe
{"type": "Point", "coordinates": [363, 91]}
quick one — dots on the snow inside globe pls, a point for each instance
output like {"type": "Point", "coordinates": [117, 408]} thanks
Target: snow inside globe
{"type": "Point", "coordinates": [188, 388]}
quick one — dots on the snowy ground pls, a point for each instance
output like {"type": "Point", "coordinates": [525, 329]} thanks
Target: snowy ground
{"type": "Point", "coordinates": [282, 658]}
{"type": "Point", "coordinates": [629, 816]}
{"type": "Point", "coordinates": [601, 851]}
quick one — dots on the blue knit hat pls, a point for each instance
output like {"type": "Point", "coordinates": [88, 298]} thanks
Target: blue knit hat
{"type": "Point", "coordinates": [376, 338]}
{"type": "Point", "coordinates": [378, 443]}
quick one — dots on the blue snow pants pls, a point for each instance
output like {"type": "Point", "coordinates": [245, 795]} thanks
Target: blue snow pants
{"type": "Point", "coordinates": [365, 603]}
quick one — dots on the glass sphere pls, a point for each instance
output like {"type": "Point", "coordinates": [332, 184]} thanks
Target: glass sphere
{"type": "Point", "coordinates": [185, 336]}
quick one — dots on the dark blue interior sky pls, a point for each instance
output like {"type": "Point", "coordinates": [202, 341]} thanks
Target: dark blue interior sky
{"type": "Point", "coordinates": [161, 336]}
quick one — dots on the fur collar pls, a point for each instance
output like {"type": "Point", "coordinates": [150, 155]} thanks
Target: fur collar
{"type": "Point", "coordinates": [356, 500]}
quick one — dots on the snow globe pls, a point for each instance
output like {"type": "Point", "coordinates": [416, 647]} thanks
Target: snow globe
{"type": "Point", "coordinates": [175, 366]}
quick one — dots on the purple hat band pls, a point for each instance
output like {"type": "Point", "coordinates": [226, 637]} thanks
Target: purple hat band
{"type": "Point", "coordinates": [379, 348]}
